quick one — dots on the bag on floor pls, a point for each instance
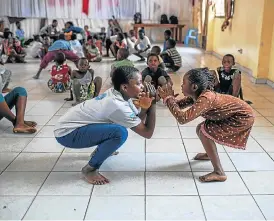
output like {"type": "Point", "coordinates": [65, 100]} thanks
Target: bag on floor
{"type": "Point", "coordinates": [137, 18]}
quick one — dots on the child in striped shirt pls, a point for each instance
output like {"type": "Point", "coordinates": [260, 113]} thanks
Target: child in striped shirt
{"type": "Point", "coordinates": [171, 56]}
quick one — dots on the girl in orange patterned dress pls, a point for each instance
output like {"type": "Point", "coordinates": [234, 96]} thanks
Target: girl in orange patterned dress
{"type": "Point", "coordinates": [228, 120]}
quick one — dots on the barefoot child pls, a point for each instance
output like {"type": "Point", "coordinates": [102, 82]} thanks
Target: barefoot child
{"type": "Point", "coordinates": [91, 51]}
{"type": "Point", "coordinates": [60, 75]}
{"type": "Point", "coordinates": [84, 85]}
{"type": "Point", "coordinates": [104, 120]}
{"type": "Point", "coordinates": [228, 119]}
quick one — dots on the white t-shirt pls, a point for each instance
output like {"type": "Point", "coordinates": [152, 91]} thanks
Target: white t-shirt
{"type": "Point", "coordinates": [109, 107]}
{"type": "Point", "coordinates": [143, 43]}
{"type": "Point", "coordinates": [35, 48]}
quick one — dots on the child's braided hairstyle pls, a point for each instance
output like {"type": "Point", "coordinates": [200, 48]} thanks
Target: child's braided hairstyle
{"type": "Point", "coordinates": [202, 78]}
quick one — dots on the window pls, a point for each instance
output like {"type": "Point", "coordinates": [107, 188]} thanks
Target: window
{"type": "Point", "coordinates": [220, 8]}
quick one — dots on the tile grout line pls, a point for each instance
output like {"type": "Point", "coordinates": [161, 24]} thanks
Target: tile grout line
{"type": "Point", "coordinates": [192, 172]}
{"type": "Point", "coordinates": [42, 185]}
{"type": "Point", "coordinates": [145, 177]}
{"type": "Point", "coordinates": [246, 186]}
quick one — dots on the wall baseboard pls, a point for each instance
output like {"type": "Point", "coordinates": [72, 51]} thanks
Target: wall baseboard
{"type": "Point", "coordinates": [246, 70]}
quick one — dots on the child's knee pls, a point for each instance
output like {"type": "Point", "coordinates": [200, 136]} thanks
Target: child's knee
{"type": "Point", "coordinates": [98, 80]}
{"type": "Point", "coordinates": [20, 92]}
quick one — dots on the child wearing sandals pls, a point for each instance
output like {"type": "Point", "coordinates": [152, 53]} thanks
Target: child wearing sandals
{"type": "Point", "coordinates": [84, 85]}
{"type": "Point", "coordinates": [104, 120]}
{"type": "Point", "coordinates": [228, 119]}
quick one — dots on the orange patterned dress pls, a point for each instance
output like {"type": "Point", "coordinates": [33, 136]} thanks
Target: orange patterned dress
{"type": "Point", "coordinates": [228, 119]}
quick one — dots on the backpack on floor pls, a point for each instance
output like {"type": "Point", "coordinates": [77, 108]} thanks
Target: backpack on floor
{"type": "Point", "coordinates": [137, 18]}
{"type": "Point", "coordinates": [173, 19]}
{"type": "Point", "coordinates": [164, 19]}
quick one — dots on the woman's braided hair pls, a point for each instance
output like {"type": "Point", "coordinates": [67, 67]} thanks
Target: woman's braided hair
{"type": "Point", "coordinates": [203, 78]}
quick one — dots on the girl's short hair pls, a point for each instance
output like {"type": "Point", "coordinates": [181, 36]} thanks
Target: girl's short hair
{"type": "Point", "coordinates": [152, 55]}
{"type": "Point", "coordinates": [122, 75]}
{"type": "Point", "coordinates": [203, 78]}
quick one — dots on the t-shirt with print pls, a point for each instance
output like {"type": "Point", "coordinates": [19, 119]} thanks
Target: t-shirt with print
{"type": "Point", "coordinates": [143, 43]}
{"type": "Point", "coordinates": [226, 79]}
{"type": "Point", "coordinates": [176, 57]}
{"type": "Point", "coordinates": [109, 107]}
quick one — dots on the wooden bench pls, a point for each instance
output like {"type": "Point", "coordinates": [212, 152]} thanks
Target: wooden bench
{"type": "Point", "coordinates": [177, 30]}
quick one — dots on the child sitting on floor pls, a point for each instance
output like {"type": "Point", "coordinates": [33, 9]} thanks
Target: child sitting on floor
{"type": "Point", "coordinates": [5, 77]}
{"type": "Point", "coordinates": [120, 42]}
{"type": "Point", "coordinates": [98, 43]}
{"type": "Point", "coordinates": [157, 50]}
{"type": "Point", "coordinates": [17, 53]}
{"type": "Point", "coordinates": [60, 75]}
{"type": "Point", "coordinates": [91, 52]}
{"type": "Point", "coordinates": [154, 71]}
{"type": "Point", "coordinates": [142, 46]}
{"type": "Point", "coordinates": [171, 56]}
{"type": "Point", "coordinates": [84, 85]}
{"type": "Point", "coordinates": [122, 60]}
{"type": "Point", "coordinates": [228, 120]}
{"type": "Point", "coordinates": [167, 35]}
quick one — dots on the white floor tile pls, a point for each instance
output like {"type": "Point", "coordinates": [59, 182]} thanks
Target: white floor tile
{"type": "Point", "coordinates": [167, 162]}
{"type": "Point", "coordinates": [252, 161]}
{"type": "Point", "coordinates": [232, 186]}
{"type": "Point", "coordinates": [59, 208]}
{"type": "Point", "coordinates": [40, 120]}
{"type": "Point", "coordinates": [267, 144]}
{"type": "Point", "coordinates": [21, 183]}
{"type": "Point", "coordinates": [133, 145]}
{"type": "Point", "coordinates": [188, 132]}
{"type": "Point", "coordinates": [72, 162]}
{"type": "Point", "coordinates": [170, 183]}
{"type": "Point", "coordinates": [9, 133]}
{"type": "Point", "coordinates": [125, 162]}
{"type": "Point", "coordinates": [128, 208]}
{"type": "Point", "coordinates": [252, 146]}
{"type": "Point", "coordinates": [46, 131]}
{"type": "Point", "coordinates": [66, 183]}
{"type": "Point", "coordinates": [195, 146]}
{"type": "Point", "coordinates": [14, 207]}
{"type": "Point", "coordinates": [262, 122]}
{"type": "Point", "coordinates": [260, 182]}
{"type": "Point", "coordinates": [34, 162]}
{"type": "Point", "coordinates": [44, 145]}
{"type": "Point", "coordinates": [53, 121]}
{"type": "Point", "coordinates": [266, 202]}
{"type": "Point", "coordinates": [166, 132]}
{"type": "Point", "coordinates": [121, 184]}
{"type": "Point", "coordinates": [262, 132]}
{"type": "Point", "coordinates": [62, 111]}
{"type": "Point", "coordinates": [13, 144]}
{"type": "Point", "coordinates": [6, 159]}
{"type": "Point", "coordinates": [164, 146]}
{"type": "Point", "coordinates": [160, 207]}
{"type": "Point", "coordinates": [231, 208]}
{"type": "Point", "coordinates": [166, 122]}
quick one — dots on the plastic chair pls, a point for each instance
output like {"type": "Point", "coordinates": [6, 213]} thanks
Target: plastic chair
{"type": "Point", "coordinates": [192, 34]}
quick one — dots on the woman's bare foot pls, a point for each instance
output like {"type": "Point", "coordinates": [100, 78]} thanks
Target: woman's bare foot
{"type": "Point", "coordinates": [30, 123]}
{"type": "Point", "coordinates": [92, 176]}
{"type": "Point", "coordinates": [213, 177]}
{"type": "Point", "coordinates": [201, 156]}
{"type": "Point", "coordinates": [24, 129]}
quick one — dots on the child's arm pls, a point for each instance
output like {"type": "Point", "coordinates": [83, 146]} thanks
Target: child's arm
{"type": "Point", "coordinates": [184, 102]}
{"type": "Point", "coordinates": [201, 106]}
{"type": "Point", "coordinates": [236, 84]}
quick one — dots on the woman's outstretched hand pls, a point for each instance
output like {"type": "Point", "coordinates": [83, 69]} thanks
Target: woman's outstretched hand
{"type": "Point", "coordinates": [147, 97]}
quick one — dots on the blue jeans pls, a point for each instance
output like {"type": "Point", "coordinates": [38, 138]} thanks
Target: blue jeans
{"type": "Point", "coordinates": [108, 137]}
{"type": "Point", "coordinates": [12, 97]}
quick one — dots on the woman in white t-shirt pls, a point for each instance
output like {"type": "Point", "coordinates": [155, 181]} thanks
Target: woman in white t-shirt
{"type": "Point", "coordinates": [142, 45]}
{"type": "Point", "coordinates": [103, 121]}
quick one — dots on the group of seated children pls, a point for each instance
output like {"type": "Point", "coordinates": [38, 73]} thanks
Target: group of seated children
{"type": "Point", "coordinates": [81, 83]}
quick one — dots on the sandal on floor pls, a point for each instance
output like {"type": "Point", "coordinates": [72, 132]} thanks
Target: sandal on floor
{"type": "Point", "coordinates": [29, 130]}
{"type": "Point", "coordinates": [212, 177]}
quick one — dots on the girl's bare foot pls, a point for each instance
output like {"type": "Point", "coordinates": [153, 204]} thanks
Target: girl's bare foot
{"type": "Point", "coordinates": [92, 176]}
{"type": "Point", "coordinates": [201, 156]}
{"type": "Point", "coordinates": [213, 177]}
{"type": "Point", "coordinates": [30, 123]}
{"type": "Point", "coordinates": [24, 129]}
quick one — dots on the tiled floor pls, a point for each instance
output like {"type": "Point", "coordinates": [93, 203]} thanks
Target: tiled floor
{"type": "Point", "coordinates": [150, 179]}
